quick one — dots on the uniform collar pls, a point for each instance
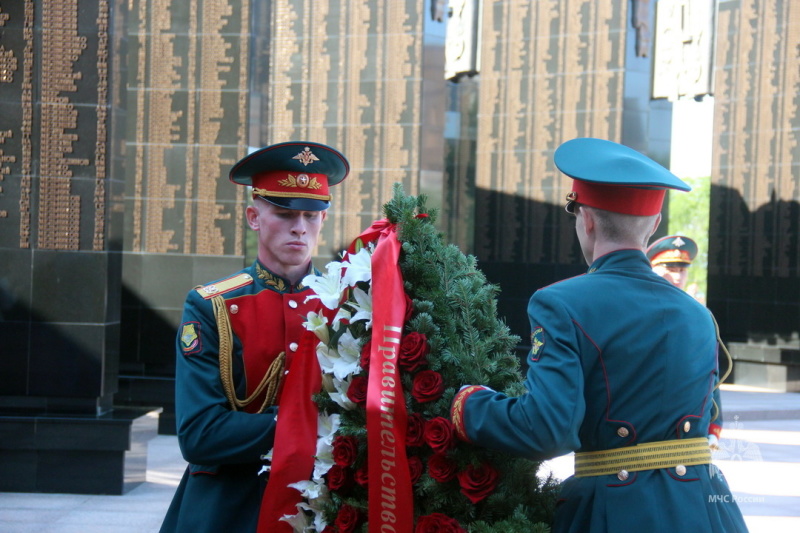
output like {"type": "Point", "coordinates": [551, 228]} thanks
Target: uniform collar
{"type": "Point", "coordinates": [274, 282]}
{"type": "Point", "coordinates": [626, 258]}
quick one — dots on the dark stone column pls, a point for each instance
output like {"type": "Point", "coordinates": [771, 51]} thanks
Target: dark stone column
{"type": "Point", "coordinates": [61, 139]}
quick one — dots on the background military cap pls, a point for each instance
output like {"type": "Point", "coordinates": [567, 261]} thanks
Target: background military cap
{"type": "Point", "coordinates": [294, 175]}
{"type": "Point", "coordinates": [614, 177]}
{"type": "Point", "coordinates": [672, 250]}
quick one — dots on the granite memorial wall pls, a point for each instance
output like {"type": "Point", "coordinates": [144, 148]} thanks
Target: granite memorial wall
{"type": "Point", "coordinates": [754, 230]}
{"type": "Point", "coordinates": [62, 79]}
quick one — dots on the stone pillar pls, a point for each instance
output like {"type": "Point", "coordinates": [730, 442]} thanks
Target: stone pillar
{"type": "Point", "coordinates": [62, 80]}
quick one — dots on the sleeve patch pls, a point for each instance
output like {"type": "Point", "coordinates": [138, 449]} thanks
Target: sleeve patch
{"type": "Point", "coordinates": [537, 342]}
{"type": "Point", "coordinates": [190, 338]}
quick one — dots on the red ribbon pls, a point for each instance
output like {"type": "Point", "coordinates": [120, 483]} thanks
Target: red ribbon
{"type": "Point", "coordinates": [391, 506]}
{"type": "Point", "coordinates": [296, 433]}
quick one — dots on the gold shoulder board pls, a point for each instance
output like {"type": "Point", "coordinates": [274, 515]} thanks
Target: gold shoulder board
{"type": "Point", "coordinates": [223, 286]}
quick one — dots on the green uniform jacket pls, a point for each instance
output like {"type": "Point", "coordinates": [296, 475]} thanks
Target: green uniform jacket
{"type": "Point", "coordinates": [221, 489]}
{"type": "Point", "coordinates": [620, 357]}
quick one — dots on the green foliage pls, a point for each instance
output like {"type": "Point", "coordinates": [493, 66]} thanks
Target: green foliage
{"type": "Point", "coordinates": [456, 308]}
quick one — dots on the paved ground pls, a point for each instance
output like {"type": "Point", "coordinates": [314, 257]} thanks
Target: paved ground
{"type": "Point", "coordinates": [760, 456]}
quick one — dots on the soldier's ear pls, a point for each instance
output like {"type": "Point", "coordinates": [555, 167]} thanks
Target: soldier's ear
{"type": "Point", "coordinates": [251, 214]}
{"type": "Point", "coordinates": [656, 223]}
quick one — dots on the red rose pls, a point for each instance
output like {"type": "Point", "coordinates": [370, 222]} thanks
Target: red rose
{"type": "Point", "coordinates": [348, 519]}
{"type": "Point", "coordinates": [415, 430]}
{"type": "Point", "coordinates": [357, 392]}
{"type": "Point", "coordinates": [438, 523]}
{"type": "Point", "coordinates": [339, 478]}
{"type": "Point", "coordinates": [345, 450]}
{"type": "Point", "coordinates": [416, 468]}
{"type": "Point", "coordinates": [366, 350]}
{"type": "Point", "coordinates": [409, 308]}
{"type": "Point", "coordinates": [413, 350]}
{"type": "Point", "coordinates": [441, 469]}
{"type": "Point", "coordinates": [477, 482]}
{"type": "Point", "coordinates": [439, 434]}
{"type": "Point", "coordinates": [361, 476]}
{"type": "Point", "coordinates": [427, 387]}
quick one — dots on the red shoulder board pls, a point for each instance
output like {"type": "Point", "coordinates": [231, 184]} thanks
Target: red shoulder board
{"type": "Point", "coordinates": [225, 285]}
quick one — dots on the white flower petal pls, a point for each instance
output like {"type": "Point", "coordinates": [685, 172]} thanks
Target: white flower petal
{"type": "Point", "coordinates": [299, 521]}
{"type": "Point", "coordinates": [340, 396]}
{"type": "Point", "coordinates": [323, 460]}
{"type": "Point", "coordinates": [319, 325]}
{"type": "Point", "coordinates": [341, 314]}
{"type": "Point", "coordinates": [359, 268]}
{"type": "Point", "coordinates": [327, 425]}
{"type": "Point", "coordinates": [327, 287]}
{"type": "Point", "coordinates": [362, 306]}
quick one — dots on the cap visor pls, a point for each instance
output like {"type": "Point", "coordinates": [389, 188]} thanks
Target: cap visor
{"type": "Point", "coordinates": [298, 204]}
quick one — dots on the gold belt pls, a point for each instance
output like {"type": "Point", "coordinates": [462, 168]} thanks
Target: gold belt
{"type": "Point", "coordinates": [646, 456]}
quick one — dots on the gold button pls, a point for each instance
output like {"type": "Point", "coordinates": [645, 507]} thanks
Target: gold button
{"type": "Point", "coordinates": [622, 475]}
{"type": "Point", "coordinates": [680, 470]}
{"type": "Point", "coordinates": [293, 346]}
{"type": "Point", "coordinates": [687, 426]}
{"type": "Point", "coordinates": [623, 432]}
{"type": "Point", "coordinates": [234, 309]}
{"type": "Point", "coordinates": [292, 304]}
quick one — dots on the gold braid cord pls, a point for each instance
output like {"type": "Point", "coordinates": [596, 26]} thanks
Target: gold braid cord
{"type": "Point", "coordinates": [272, 379]}
{"type": "Point", "coordinates": [727, 371]}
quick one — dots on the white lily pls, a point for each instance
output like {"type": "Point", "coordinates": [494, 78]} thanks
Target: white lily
{"type": "Point", "coordinates": [319, 517]}
{"type": "Point", "coordinates": [319, 325]}
{"type": "Point", "coordinates": [327, 287]}
{"type": "Point", "coordinates": [315, 492]}
{"type": "Point", "coordinates": [359, 267]}
{"type": "Point", "coordinates": [362, 306]}
{"type": "Point", "coordinates": [327, 425]}
{"type": "Point", "coordinates": [340, 395]}
{"type": "Point", "coordinates": [341, 314]}
{"type": "Point", "coordinates": [349, 361]}
{"type": "Point", "coordinates": [299, 521]}
{"type": "Point", "coordinates": [327, 358]}
{"type": "Point", "coordinates": [323, 460]}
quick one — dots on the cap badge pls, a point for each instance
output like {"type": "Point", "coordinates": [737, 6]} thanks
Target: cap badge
{"type": "Point", "coordinates": [306, 156]}
{"type": "Point", "coordinates": [678, 242]}
{"type": "Point", "coordinates": [304, 181]}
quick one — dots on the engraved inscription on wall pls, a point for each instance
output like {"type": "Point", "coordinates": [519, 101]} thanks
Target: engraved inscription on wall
{"type": "Point", "coordinates": [756, 170]}
{"type": "Point", "coordinates": [188, 99]}
{"type": "Point", "coordinates": [551, 71]}
{"type": "Point", "coordinates": [349, 74]}
{"type": "Point", "coordinates": [54, 84]}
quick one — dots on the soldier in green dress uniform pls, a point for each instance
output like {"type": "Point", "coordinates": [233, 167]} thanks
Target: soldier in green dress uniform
{"type": "Point", "coordinates": [243, 354]}
{"type": "Point", "coordinates": [622, 370]}
{"type": "Point", "coordinates": [671, 257]}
